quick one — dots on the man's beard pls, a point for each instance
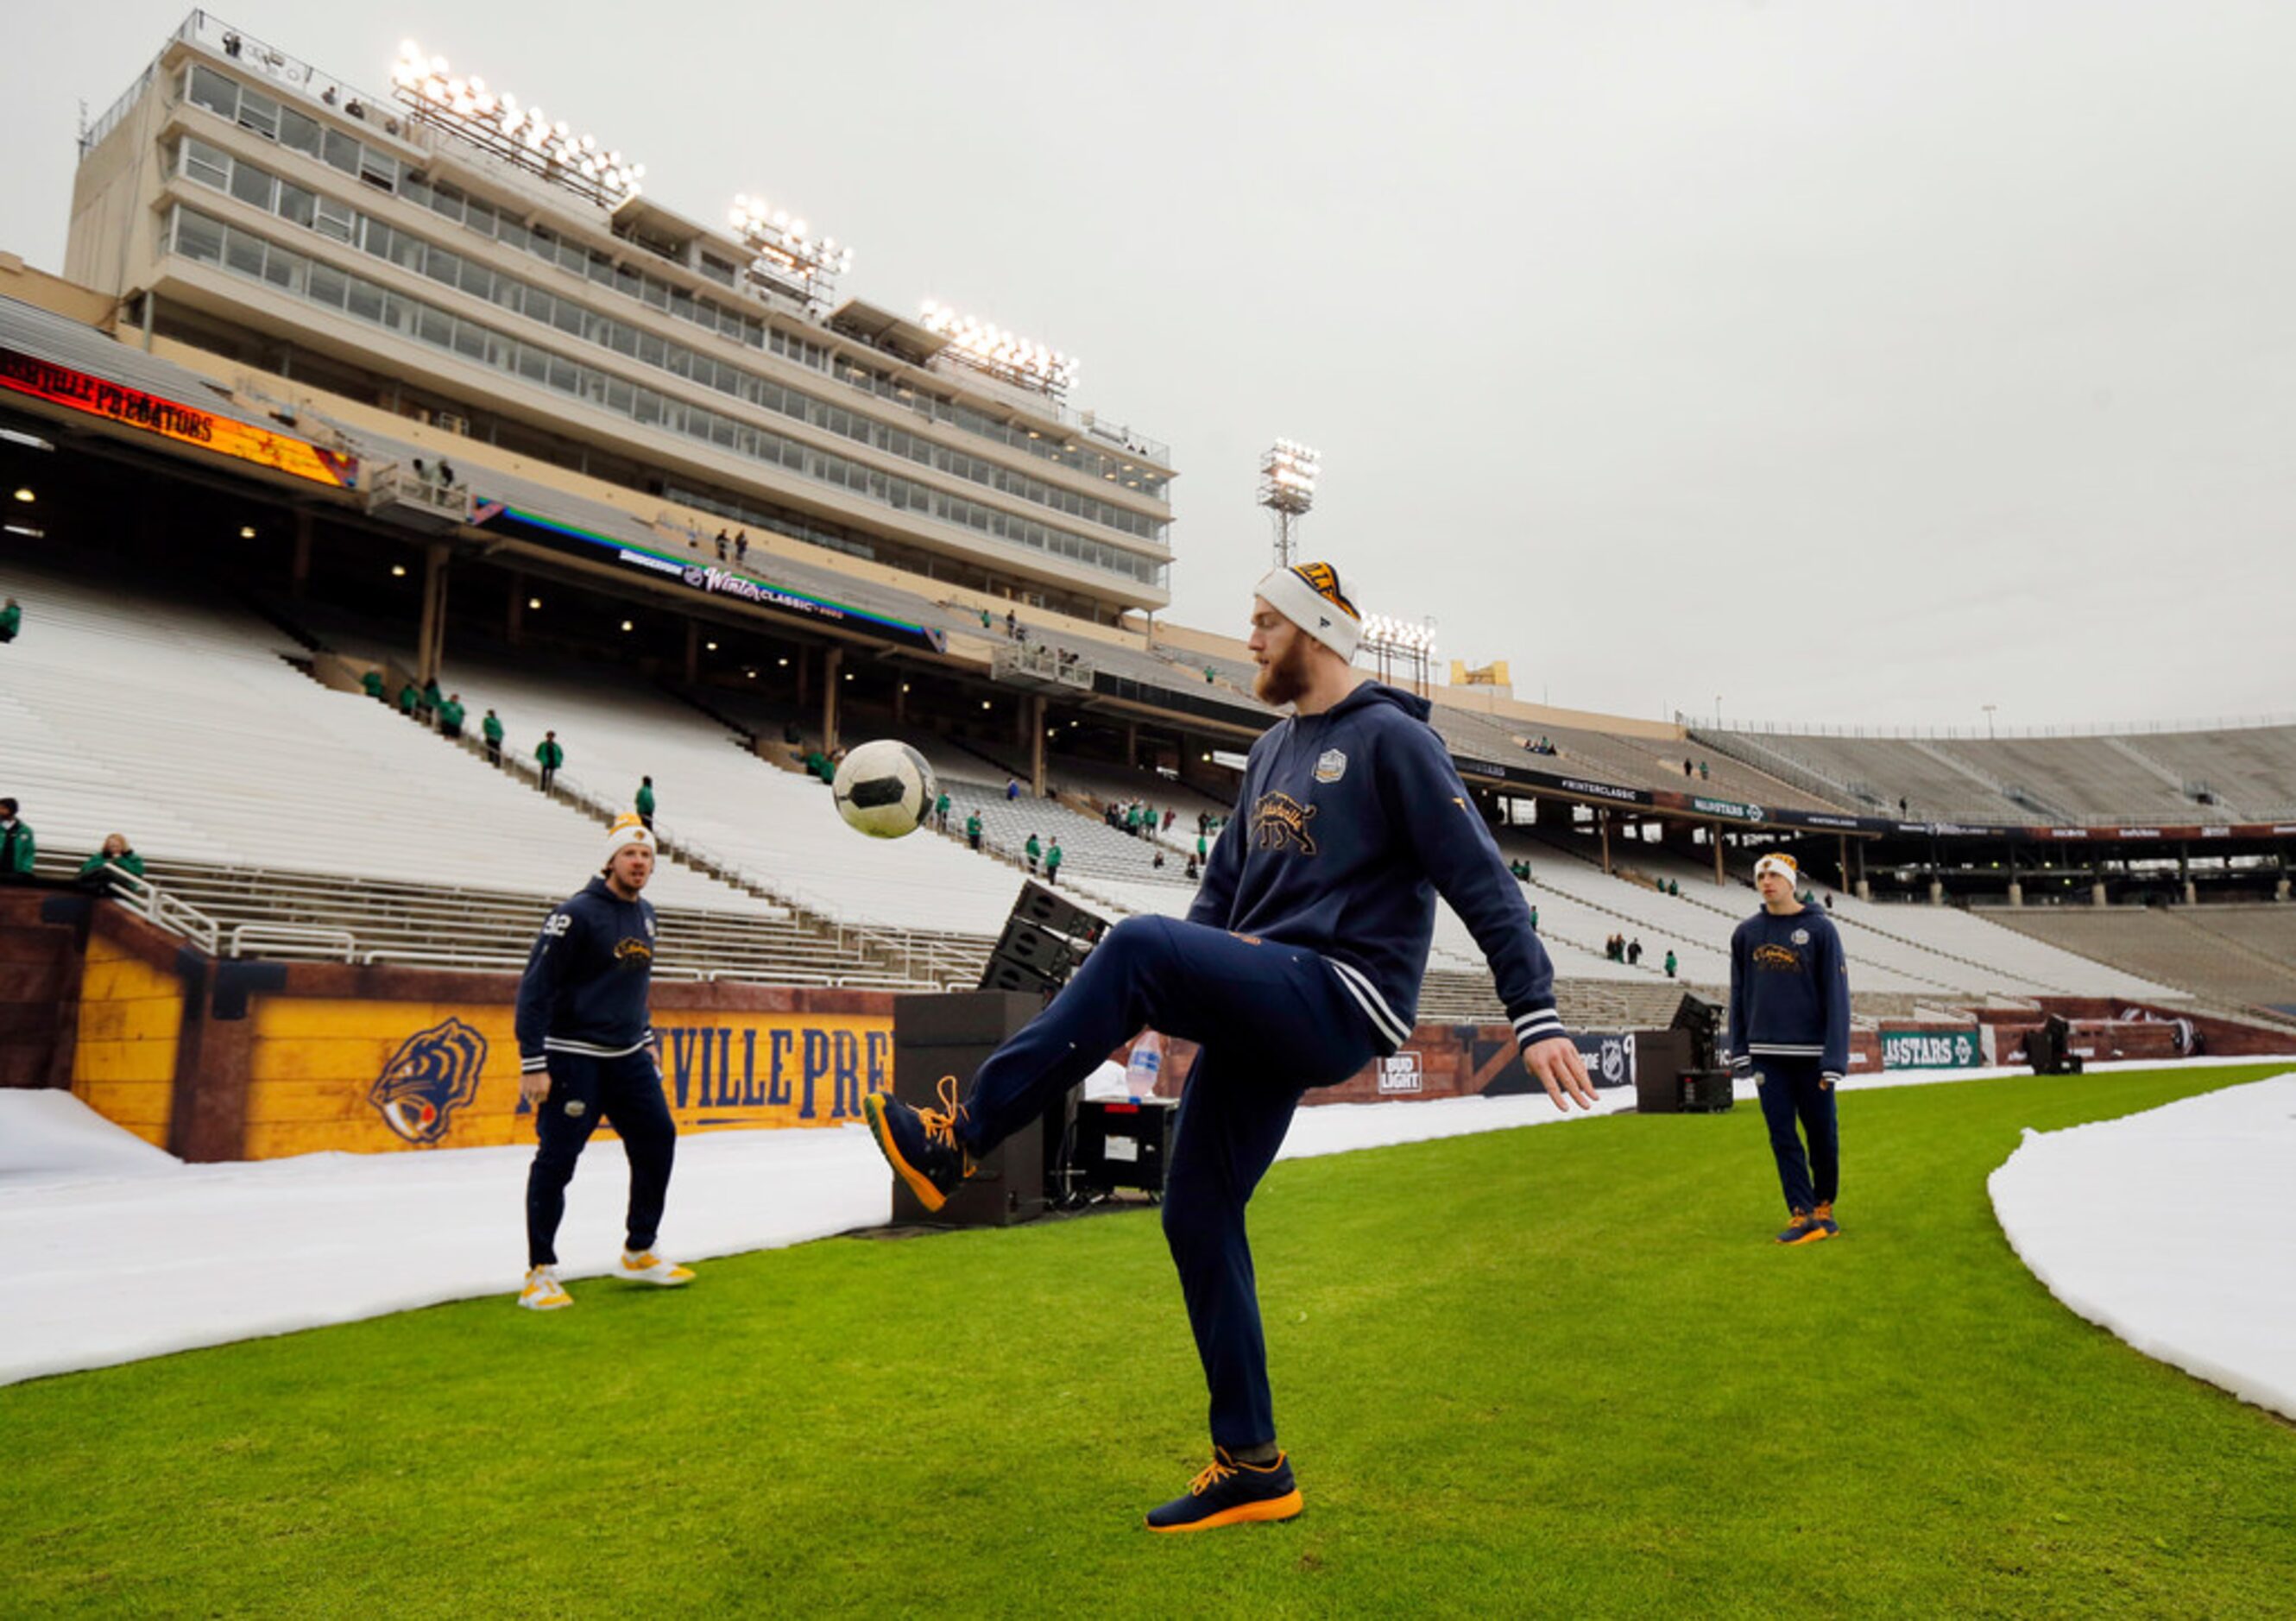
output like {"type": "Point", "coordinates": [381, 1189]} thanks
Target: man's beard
{"type": "Point", "coordinates": [1282, 682]}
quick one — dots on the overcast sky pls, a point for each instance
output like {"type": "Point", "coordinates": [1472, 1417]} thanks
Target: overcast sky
{"type": "Point", "coordinates": [1863, 363]}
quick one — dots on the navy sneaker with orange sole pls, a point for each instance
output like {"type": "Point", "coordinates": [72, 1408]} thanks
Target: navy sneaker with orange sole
{"type": "Point", "coordinates": [921, 1144]}
{"type": "Point", "coordinates": [1231, 1492]}
{"type": "Point", "coordinates": [1803, 1229]}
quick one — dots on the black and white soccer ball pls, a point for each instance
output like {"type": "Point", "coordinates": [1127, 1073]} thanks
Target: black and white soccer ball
{"type": "Point", "coordinates": [885, 789]}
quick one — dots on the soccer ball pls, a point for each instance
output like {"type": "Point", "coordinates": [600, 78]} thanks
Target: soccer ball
{"type": "Point", "coordinates": [884, 788]}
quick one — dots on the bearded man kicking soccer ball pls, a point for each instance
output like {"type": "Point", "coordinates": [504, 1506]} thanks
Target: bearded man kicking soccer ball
{"type": "Point", "coordinates": [586, 1052]}
{"type": "Point", "coordinates": [1299, 962]}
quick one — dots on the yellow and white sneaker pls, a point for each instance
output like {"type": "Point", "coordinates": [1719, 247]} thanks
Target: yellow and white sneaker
{"type": "Point", "coordinates": [650, 1268]}
{"type": "Point", "coordinates": [543, 1292]}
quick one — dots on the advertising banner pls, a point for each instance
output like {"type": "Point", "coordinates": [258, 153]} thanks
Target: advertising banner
{"type": "Point", "coordinates": [501, 518]}
{"type": "Point", "coordinates": [1932, 1049]}
{"type": "Point", "coordinates": [366, 1077]}
{"type": "Point", "coordinates": [184, 424]}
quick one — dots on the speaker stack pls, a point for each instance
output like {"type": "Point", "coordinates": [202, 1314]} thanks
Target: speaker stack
{"type": "Point", "coordinates": [1044, 940]}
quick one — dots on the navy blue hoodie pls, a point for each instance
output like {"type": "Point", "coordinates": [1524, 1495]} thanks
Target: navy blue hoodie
{"type": "Point", "coordinates": [1790, 990]}
{"type": "Point", "coordinates": [585, 989]}
{"type": "Point", "coordinates": [1347, 825]}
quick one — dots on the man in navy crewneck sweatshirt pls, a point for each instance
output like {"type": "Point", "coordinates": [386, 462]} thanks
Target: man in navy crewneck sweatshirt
{"type": "Point", "coordinates": [1299, 962]}
{"type": "Point", "coordinates": [1790, 1027]}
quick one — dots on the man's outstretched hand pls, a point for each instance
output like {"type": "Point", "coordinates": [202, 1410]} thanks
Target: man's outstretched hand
{"type": "Point", "coordinates": [1558, 1066]}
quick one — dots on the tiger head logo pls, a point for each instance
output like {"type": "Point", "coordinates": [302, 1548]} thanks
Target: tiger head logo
{"type": "Point", "coordinates": [433, 1073]}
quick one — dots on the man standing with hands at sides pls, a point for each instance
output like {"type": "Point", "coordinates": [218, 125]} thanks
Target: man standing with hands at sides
{"type": "Point", "coordinates": [1299, 962]}
{"type": "Point", "coordinates": [586, 1051]}
{"type": "Point", "coordinates": [1790, 1029]}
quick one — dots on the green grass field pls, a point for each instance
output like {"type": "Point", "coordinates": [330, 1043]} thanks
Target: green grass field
{"type": "Point", "coordinates": [1551, 1372]}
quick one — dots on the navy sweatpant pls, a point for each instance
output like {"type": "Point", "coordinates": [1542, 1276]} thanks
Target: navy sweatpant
{"type": "Point", "coordinates": [626, 1092]}
{"type": "Point", "coordinates": [1273, 1021]}
{"type": "Point", "coordinates": [1793, 1089]}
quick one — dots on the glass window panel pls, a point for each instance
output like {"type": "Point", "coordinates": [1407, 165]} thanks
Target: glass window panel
{"type": "Point", "coordinates": [206, 164]}
{"type": "Point", "coordinates": [364, 300]}
{"type": "Point", "coordinates": [341, 152]}
{"type": "Point", "coordinates": [433, 326]}
{"type": "Point", "coordinates": [296, 204]}
{"type": "Point", "coordinates": [297, 131]}
{"type": "Point", "coordinates": [470, 339]}
{"type": "Point", "coordinates": [333, 219]}
{"type": "Point", "coordinates": [329, 286]}
{"type": "Point", "coordinates": [198, 237]}
{"type": "Point", "coordinates": [211, 90]}
{"type": "Point", "coordinates": [242, 252]}
{"type": "Point", "coordinates": [251, 187]}
{"type": "Point", "coordinates": [259, 113]}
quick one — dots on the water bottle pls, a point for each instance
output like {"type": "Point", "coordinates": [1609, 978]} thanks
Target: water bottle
{"type": "Point", "coordinates": [1147, 1063]}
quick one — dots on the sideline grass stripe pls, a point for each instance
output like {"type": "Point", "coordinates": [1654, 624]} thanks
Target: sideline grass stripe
{"type": "Point", "coordinates": [1536, 1372]}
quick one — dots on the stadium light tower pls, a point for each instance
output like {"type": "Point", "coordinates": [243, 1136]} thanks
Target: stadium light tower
{"type": "Point", "coordinates": [1399, 645]}
{"type": "Point", "coordinates": [494, 121]}
{"type": "Point", "coordinates": [1288, 473]}
{"type": "Point", "coordinates": [785, 253]}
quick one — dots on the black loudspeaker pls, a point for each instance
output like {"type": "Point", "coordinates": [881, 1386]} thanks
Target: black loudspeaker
{"type": "Point", "coordinates": [1708, 1092]}
{"type": "Point", "coordinates": [951, 1035]}
{"type": "Point", "coordinates": [1047, 935]}
{"type": "Point", "coordinates": [1702, 1018]}
{"type": "Point", "coordinates": [2050, 1047]}
{"type": "Point", "coordinates": [1123, 1145]}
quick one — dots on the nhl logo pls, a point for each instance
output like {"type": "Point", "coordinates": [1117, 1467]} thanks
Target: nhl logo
{"type": "Point", "coordinates": [1330, 765]}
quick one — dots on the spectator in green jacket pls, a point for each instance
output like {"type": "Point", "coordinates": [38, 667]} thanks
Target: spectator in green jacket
{"type": "Point", "coordinates": [973, 829]}
{"type": "Point", "coordinates": [409, 696]}
{"type": "Point", "coordinates": [645, 802]}
{"type": "Point", "coordinates": [450, 717]}
{"type": "Point", "coordinates": [1053, 862]}
{"type": "Point", "coordinates": [11, 619]}
{"type": "Point", "coordinates": [373, 681]}
{"type": "Point", "coordinates": [1032, 850]}
{"type": "Point", "coordinates": [430, 701]}
{"type": "Point", "coordinates": [116, 856]}
{"type": "Point", "coordinates": [491, 730]}
{"type": "Point", "coordinates": [1534, 920]}
{"type": "Point", "coordinates": [16, 846]}
{"type": "Point", "coordinates": [940, 812]}
{"type": "Point", "coordinates": [550, 756]}
{"type": "Point", "coordinates": [1670, 963]}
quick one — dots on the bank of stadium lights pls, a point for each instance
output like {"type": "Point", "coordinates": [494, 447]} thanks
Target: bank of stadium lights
{"type": "Point", "coordinates": [988, 348]}
{"type": "Point", "coordinates": [1403, 647]}
{"type": "Point", "coordinates": [785, 254]}
{"type": "Point", "coordinates": [1288, 474]}
{"type": "Point", "coordinates": [495, 122]}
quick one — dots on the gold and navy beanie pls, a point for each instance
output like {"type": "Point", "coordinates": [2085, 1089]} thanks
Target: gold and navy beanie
{"type": "Point", "coordinates": [1308, 595]}
{"type": "Point", "coordinates": [628, 830]}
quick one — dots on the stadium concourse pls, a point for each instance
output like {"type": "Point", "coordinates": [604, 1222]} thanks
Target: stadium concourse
{"type": "Point", "coordinates": [2164, 1227]}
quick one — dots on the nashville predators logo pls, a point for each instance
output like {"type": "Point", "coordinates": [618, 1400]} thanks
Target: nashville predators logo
{"type": "Point", "coordinates": [631, 952]}
{"type": "Point", "coordinates": [433, 1073]}
{"type": "Point", "coordinates": [1776, 957]}
{"type": "Point", "coordinates": [1280, 821]}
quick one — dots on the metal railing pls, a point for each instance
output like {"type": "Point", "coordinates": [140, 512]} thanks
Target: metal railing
{"type": "Point", "coordinates": [331, 941]}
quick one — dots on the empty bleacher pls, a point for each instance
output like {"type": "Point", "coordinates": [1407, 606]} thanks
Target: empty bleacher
{"type": "Point", "coordinates": [179, 723]}
{"type": "Point", "coordinates": [2249, 960]}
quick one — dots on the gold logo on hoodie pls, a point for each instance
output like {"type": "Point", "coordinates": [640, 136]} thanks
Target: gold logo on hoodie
{"type": "Point", "coordinates": [1279, 822]}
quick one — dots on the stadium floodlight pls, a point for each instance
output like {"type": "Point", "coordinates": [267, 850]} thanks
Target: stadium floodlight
{"type": "Point", "coordinates": [1289, 473]}
{"type": "Point", "coordinates": [988, 348]}
{"type": "Point", "coordinates": [785, 253]}
{"type": "Point", "coordinates": [496, 123]}
{"type": "Point", "coordinates": [1399, 646]}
